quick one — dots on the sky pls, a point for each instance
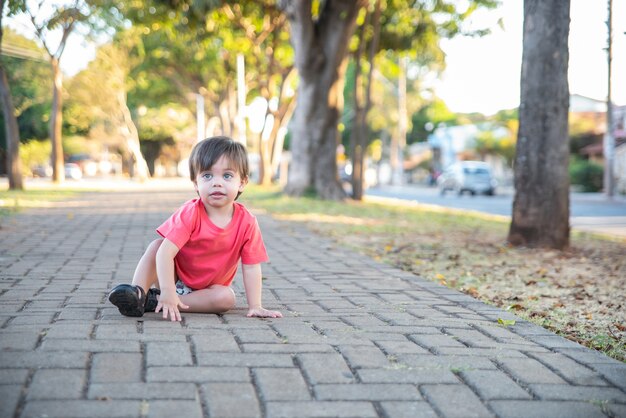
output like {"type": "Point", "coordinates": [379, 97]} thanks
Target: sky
{"type": "Point", "coordinates": [483, 74]}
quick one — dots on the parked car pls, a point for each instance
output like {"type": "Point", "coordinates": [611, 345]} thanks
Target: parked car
{"type": "Point", "coordinates": [73, 171]}
{"type": "Point", "coordinates": [468, 176]}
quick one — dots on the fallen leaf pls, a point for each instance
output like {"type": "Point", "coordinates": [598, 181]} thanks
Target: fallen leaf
{"type": "Point", "coordinates": [506, 322]}
{"type": "Point", "coordinates": [473, 292]}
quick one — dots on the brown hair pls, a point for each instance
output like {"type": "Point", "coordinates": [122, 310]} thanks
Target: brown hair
{"type": "Point", "coordinates": [206, 153]}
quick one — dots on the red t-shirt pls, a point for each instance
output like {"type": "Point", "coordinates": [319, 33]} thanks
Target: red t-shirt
{"type": "Point", "coordinates": [208, 254]}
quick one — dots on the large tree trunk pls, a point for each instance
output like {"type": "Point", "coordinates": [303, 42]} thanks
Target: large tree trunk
{"type": "Point", "coordinates": [14, 171]}
{"type": "Point", "coordinates": [12, 133]}
{"type": "Point", "coordinates": [320, 48]}
{"type": "Point", "coordinates": [541, 204]}
{"type": "Point", "coordinates": [56, 119]}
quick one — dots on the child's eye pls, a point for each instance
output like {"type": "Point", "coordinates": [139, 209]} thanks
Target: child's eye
{"type": "Point", "coordinates": [228, 176]}
{"type": "Point", "coordinates": [207, 176]}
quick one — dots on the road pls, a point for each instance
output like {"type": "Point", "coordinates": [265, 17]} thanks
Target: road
{"type": "Point", "coordinates": [590, 212]}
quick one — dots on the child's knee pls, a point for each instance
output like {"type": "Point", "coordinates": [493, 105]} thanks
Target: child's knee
{"type": "Point", "coordinates": [224, 298]}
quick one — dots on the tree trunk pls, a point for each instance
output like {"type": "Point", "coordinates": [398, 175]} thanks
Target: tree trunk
{"type": "Point", "coordinates": [320, 47]}
{"type": "Point", "coordinates": [12, 132]}
{"type": "Point", "coordinates": [362, 105]}
{"type": "Point", "coordinates": [541, 204]}
{"type": "Point", "coordinates": [140, 167]}
{"type": "Point", "coordinates": [56, 119]}
{"type": "Point", "coordinates": [357, 141]}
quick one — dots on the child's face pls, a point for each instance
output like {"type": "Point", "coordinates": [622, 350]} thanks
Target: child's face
{"type": "Point", "coordinates": [218, 187]}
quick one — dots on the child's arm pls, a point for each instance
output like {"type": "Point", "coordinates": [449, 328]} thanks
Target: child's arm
{"type": "Point", "coordinates": [252, 281]}
{"type": "Point", "coordinates": [168, 301]}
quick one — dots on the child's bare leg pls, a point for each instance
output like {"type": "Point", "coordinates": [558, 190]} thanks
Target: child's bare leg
{"type": "Point", "coordinates": [215, 299]}
{"type": "Point", "coordinates": [145, 273]}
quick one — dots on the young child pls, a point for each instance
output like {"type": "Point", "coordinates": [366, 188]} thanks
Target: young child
{"type": "Point", "coordinates": [195, 261]}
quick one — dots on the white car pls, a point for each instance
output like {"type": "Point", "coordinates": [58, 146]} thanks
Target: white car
{"type": "Point", "coordinates": [468, 176]}
{"type": "Point", "coordinates": [73, 171]}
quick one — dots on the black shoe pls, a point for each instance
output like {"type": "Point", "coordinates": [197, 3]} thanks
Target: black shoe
{"type": "Point", "coordinates": [151, 299]}
{"type": "Point", "coordinates": [129, 299]}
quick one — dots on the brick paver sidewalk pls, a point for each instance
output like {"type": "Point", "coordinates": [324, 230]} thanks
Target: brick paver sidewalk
{"type": "Point", "coordinates": [359, 338]}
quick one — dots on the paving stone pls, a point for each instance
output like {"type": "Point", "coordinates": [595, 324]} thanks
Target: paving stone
{"type": "Point", "coordinates": [334, 370]}
{"type": "Point", "coordinates": [257, 335]}
{"type": "Point", "coordinates": [493, 384]}
{"type": "Point", "coordinates": [403, 346]}
{"type": "Point", "coordinates": [553, 341]}
{"type": "Point", "coordinates": [441, 362]}
{"type": "Point", "coordinates": [408, 410]}
{"type": "Point", "coordinates": [406, 375]}
{"type": "Point", "coordinates": [530, 371]}
{"type": "Point", "coordinates": [359, 357]}
{"type": "Point", "coordinates": [588, 357]}
{"type": "Point", "coordinates": [75, 329]}
{"type": "Point", "coordinates": [116, 331]}
{"type": "Point", "coordinates": [618, 410]}
{"type": "Point", "coordinates": [454, 401]}
{"type": "Point", "coordinates": [116, 367]}
{"type": "Point", "coordinates": [571, 370]}
{"type": "Point", "coordinates": [43, 359]}
{"type": "Point", "coordinates": [436, 342]}
{"type": "Point", "coordinates": [288, 348]}
{"type": "Point", "coordinates": [578, 393]}
{"type": "Point", "coordinates": [216, 340]}
{"type": "Point", "coordinates": [198, 374]}
{"type": "Point", "coordinates": [10, 395]}
{"type": "Point", "coordinates": [245, 359]}
{"type": "Point", "coordinates": [492, 353]}
{"type": "Point", "coordinates": [58, 344]}
{"type": "Point", "coordinates": [13, 376]}
{"type": "Point", "coordinates": [32, 319]}
{"type": "Point", "coordinates": [300, 333]}
{"type": "Point", "coordinates": [543, 409]}
{"type": "Point", "coordinates": [82, 409]}
{"type": "Point", "coordinates": [18, 341]}
{"type": "Point", "coordinates": [320, 409]}
{"type": "Point", "coordinates": [168, 354]}
{"type": "Point", "coordinates": [57, 384]}
{"type": "Point", "coordinates": [140, 390]}
{"type": "Point", "coordinates": [367, 392]}
{"type": "Point", "coordinates": [614, 372]}
{"type": "Point", "coordinates": [231, 400]}
{"type": "Point", "coordinates": [277, 384]}
{"type": "Point", "coordinates": [171, 408]}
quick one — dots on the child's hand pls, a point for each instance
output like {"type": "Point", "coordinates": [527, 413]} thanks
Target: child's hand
{"type": "Point", "coordinates": [169, 303]}
{"type": "Point", "coordinates": [263, 313]}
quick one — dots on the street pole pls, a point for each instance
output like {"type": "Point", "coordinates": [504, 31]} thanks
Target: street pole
{"type": "Point", "coordinates": [398, 174]}
{"type": "Point", "coordinates": [200, 125]}
{"type": "Point", "coordinates": [609, 140]}
{"type": "Point", "coordinates": [241, 99]}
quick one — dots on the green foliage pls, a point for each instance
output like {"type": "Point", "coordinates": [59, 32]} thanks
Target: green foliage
{"type": "Point", "coordinates": [488, 143]}
{"type": "Point", "coordinates": [29, 81]}
{"type": "Point", "coordinates": [587, 174]}
{"type": "Point", "coordinates": [75, 145]}
{"type": "Point", "coordinates": [583, 131]}
{"type": "Point", "coordinates": [428, 118]}
{"type": "Point", "coordinates": [34, 153]}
